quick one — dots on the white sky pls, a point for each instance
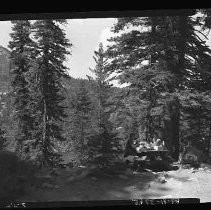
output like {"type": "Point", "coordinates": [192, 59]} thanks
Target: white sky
{"type": "Point", "coordinates": [84, 34]}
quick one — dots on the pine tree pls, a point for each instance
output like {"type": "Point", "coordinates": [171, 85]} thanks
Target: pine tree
{"type": "Point", "coordinates": [103, 87]}
{"type": "Point", "coordinates": [198, 82]}
{"type": "Point", "coordinates": [174, 56]}
{"type": "Point", "coordinates": [22, 52]}
{"type": "Point", "coordinates": [147, 80]}
{"type": "Point", "coordinates": [52, 50]}
{"type": "Point", "coordinates": [82, 126]}
{"type": "Point", "coordinates": [206, 120]}
{"type": "Point", "coordinates": [106, 143]}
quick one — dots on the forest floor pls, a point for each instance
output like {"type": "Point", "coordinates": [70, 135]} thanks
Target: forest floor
{"type": "Point", "coordinates": [182, 183]}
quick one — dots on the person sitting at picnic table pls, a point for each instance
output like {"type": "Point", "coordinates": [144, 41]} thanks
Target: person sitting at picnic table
{"type": "Point", "coordinates": [143, 146]}
{"type": "Point", "coordinates": [158, 144]}
{"type": "Point", "coordinates": [130, 148]}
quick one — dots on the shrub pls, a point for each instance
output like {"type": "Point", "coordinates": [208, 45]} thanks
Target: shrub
{"type": "Point", "coordinates": [16, 176]}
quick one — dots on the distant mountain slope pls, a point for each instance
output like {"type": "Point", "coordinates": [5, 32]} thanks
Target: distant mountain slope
{"type": "Point", "coordinates": [71, 85]}
{"type": "Point", "coordinates": [5, 76]}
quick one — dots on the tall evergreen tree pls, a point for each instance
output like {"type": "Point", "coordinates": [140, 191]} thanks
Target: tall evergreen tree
{"type": "Point", "coordinates": [147, 79]}
{"type": "Point", "coordinates": [82, 127]}
{"type": "Point", "coordinates": [52, 50]}
{"type": "Point", "coordinates": [103, 88]}
{"type": "Point", "coordinates": [22, 52]}
{"type": "Point", "coordinates": [172, 52]}
{"type": "Point", "coordinates": [106, 142]}
{"type": "Point", "coordinates": [195, 63]}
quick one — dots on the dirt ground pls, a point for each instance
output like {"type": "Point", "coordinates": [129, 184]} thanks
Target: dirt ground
{"type": "Point", "coordinates": [183, 183]}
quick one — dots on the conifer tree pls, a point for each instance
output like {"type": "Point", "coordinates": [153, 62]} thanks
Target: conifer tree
{"type": "Point", "coordinates": [106, 143]}
{"type": "Point", "coordinates": [82, 119]}
{"type": "Point", "coordinates": [128, 52]}
{"type": "Point", "coordinates": [103, 87]}
{"type": "Point", "coordinates": [174, 56]}
{"type": "Point", "coordinates": [22, 53]}
{"type": "Point", "coordinates": [52, 50]}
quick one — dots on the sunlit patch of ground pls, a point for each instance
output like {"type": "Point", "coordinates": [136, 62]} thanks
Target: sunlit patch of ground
{"type": "Point", "coordinates": [183, 183]}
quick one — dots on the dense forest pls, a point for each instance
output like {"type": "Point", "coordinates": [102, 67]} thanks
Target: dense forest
{"type": "Point", "coordinates": [165, 63]}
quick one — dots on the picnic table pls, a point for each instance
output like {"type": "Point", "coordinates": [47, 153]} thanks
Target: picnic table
{"type": "Point", "coordinates": [152, 154]}
{"type": "Point", "coordinates": [151, 159]}
{"type": "Point", "coordinates": [146, 154]}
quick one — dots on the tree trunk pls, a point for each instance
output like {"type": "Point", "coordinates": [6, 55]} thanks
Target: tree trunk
{"type": "Point", "coordinates": [153, 39]}
{"type": "Point", "coordinates": [175, 118]}
{"type": "Point", "coordinates": [209, 141]}
{"type": "Point", "coordinates": [82, 136]}
{"type": "Point", "coordinates": [170, 131]}
{"type": "Point", "coordinates": [167, 135]}
{"type": "Point", "coordinates": [149, 124]}
{"type": "Point", "coordinates": [44, 136]}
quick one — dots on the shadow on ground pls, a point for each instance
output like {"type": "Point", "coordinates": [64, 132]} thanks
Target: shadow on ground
{"type": "Point", "coordinates": [101, 188]}
{"type": "Point", "coordinates": [138, 186]}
